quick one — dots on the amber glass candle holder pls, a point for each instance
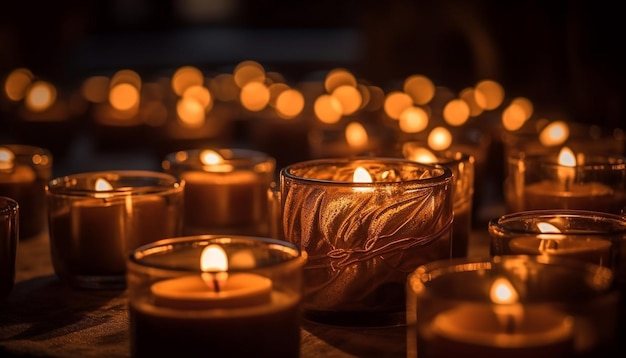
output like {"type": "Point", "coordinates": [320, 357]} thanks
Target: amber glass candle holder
{"type": "Point", "coordinates": [24, 172]}
{"type": "Point", "coordinates": [365, 224]}
{"type": "Point", "coordinates": [463, 169]}
{"type": "Point", "coordinates": [97, 218]}
{"type": "Point", "coordinates": [226, 190]}
{"type": "Point", "coordinates": [228, 296]}
{"type": "Point", "coordinates": [9, 219]}
{"type": "Point", "coordinates": [511, 306]}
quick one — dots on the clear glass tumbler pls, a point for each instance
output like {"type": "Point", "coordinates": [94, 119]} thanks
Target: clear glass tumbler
{"type": "Point", "coordinates": [97, 218]}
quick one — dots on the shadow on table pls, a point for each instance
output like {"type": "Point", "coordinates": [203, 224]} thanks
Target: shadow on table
{"type": "Point", "coordinates": [43, 311]}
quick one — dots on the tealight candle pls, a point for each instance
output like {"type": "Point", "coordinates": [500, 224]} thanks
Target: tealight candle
{"type": "Point", "coordinates": [594, 237]}
{"type": "Point", "coordinates": [365, 224]}
{"type": "Point", "coordinates": [226, 190]}
{"type": "Point", "coordinates": [580, 182]}
{"type": "Point", "coordinates": [9, 217]}
{"type": "Point", "coordinates": [97, 218]}
{"type": "Point", "coordinates": [236, 296]}
{"type": "Point", "coordinates": [24, 172]}
{"type": "Point", "coordinates": [510, 306]}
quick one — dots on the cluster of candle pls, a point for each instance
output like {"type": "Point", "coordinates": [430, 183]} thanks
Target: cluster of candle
{"type": "Point", "coordinates": [389, 186]}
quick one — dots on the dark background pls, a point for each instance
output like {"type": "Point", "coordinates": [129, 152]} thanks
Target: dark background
{"type": "Point", "coordinates": [566, 56]}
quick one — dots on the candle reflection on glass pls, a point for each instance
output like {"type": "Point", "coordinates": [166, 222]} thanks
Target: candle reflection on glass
{"type": "Point", "coordinates": [239, 296]}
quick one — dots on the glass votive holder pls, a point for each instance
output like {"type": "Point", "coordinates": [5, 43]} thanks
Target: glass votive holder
{"type": "Point", "coordinates": [229, 296]}
{"type": "Point", "coordinates": [24, 172]}
{"type": "Point", "coordinates": [594, 237]}
{"type": "Point", "coordinates": [97, 218]}
{"type": "Point", "coordinates": [365, 224]}
{"type": "Point", "coordinates": [225, 190]}
{"type": "Point", "coordinates": [566, 180]}
{"type": "Point", "coordinates": [511, 306]}
{"type": "Point", "coordinates": [9, 221]}
{"type": "Point", "coordinates": [462, 167]}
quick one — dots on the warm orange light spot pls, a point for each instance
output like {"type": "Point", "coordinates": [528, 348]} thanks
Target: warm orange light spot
{"type": "Point", "coordinates": [513, 117]}
{"type": "Point", "coordinates": [95, 89]}
{"type": "Point", "coordinates": [350, 98]}
{"type": "Point", "coordinates": [567, 157]}
{"type": "Point", "coordinates": [214, 264]}
{"type": "Point", "coordinates": [17, 82]}
{"type": "Point", "coordinates": [254, 96]}
{"type": "Point", "coordinates": [503, 292]}
{"type": "Point", "coordinates": [6, 159]}
{"type": "Point", "coordinates": [185, 77]}
{"type": "Point", "coordinates": [103, 185]}
{"type": "Point", "coordinates": [419, 154]}
{"type": "Point", "coordinates": [200, 94]}
{"type": "Point", "coordinates": [439, 139]}
{"type": "Point", "coordinates": [469, 97]}
{"type": "Point", "coordinates": [210, 157]}
{"type": "Point", "coordinates": [456, 112]}
{"type": "Point", "coordinates": [356, 135]}
{"type": "Point", "coordinates": [525, 104]}
{"type": "Point", "coordinates": [555, 133]}
{"type": "Point", "coordinates": [40, 96]}
{"type": "Point", "coordinates": [548, 228]}
{"type": "Point", "coordinates": [124, 96]}
{"type": "Point", "coordinates": [339, 77]}
{"type": "Point", "coordinates": [361, 175]}
{"type": "Point", "coordinates": [396, 102]}
{"type": "Point", "coordinates": [190, 113]}
{"type": "Point", "coordinates": [489, 94]}
{"type": "Point", "coordinates": [327, 109]}
{"type": "Point", "coordinates": [413, 120]}
{"type": "Point", "coordinates": [289, 103]}
{"type": "Point", "coordinates": [420, 88]}
{"type": "Point", "coordinates": [247, 72]}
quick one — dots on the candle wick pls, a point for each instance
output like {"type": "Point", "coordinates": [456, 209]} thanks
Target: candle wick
{"type": "Point", "coordinates": [216, 284]}
{"type": "Point", "coordinates": [510, 324]}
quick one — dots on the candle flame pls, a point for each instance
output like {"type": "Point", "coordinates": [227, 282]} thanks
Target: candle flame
{"type": "Point", "coordinates": [40, 96]}
{"type": "Point", "coordinates": [210, 157]}
{"type": "Point", "coordinates": [361, 176]}
{"type": "Point", "coordinates": [503, 292]}
{"type": "Point", "coordinates": [6, 159]}
{"type": "Point", "coordinates": [214, 264]}
{"type": "Point", "coordinates": [356, 135]}
{"type": "Point", "coordinates": [549, 242]}
{"type": "Point", "coordinates": [554, 134]}
{"type": "Point", "coordinates": [567, 157]}
{"type": "Point", "coordinates": [439, 138]}
{"type": "Point", "coordinates": [102, 185]}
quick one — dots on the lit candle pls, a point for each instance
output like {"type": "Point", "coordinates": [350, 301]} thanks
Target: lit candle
{"type": "Point", "coordinates": [232, 309]}
{"type": "Point", "coordinates": [24, 172]}
{"type": "Point", "coordinates": [226, 191]}
{"type": "Point", "coordinates": [511, 306]}
{"type": "Point", "coordinates": [592, 249]}
{"type": "Point", "coordinates": [505, 328]}
{"type": "Point", "coordinates": [364, 223]}
{"type": "Point", "coordinates": [93, 229]}
{"type": "Point", "coordinates": [566, 184]}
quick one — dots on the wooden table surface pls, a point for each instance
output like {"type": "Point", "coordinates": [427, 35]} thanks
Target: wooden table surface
{"type": "Point", "coordinates": [43, 318]}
